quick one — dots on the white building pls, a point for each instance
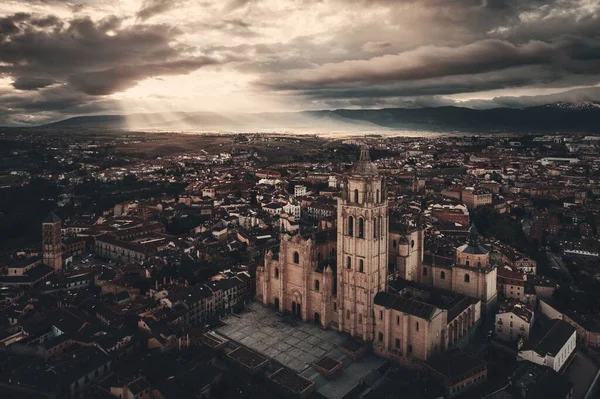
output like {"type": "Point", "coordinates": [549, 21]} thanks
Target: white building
{"type": "Point", "coordinates": [514, 321]}
{"type": "Point", "coordinates": [552, 347]}
{"type": "Point", "coordinates": [299, 191]}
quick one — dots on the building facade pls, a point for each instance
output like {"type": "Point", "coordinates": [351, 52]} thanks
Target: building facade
{"type": "Point", "coordinates": [338, 278]}
{"type": "Point", "coordinates": [51, 242]}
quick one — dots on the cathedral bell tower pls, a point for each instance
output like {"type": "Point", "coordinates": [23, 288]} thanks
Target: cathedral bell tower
{"type": "Point", "coordinates": [362, 247]}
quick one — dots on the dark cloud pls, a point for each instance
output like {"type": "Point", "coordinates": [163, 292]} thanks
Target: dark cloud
{"type": "Point", "coordinates": [32, 83]}
{"type": "Point", "coordinates": [119, 78]}
{"type": "Point", "coordinates": [85, 58]}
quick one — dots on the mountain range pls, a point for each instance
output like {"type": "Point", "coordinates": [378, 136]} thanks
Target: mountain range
{"type": "Point", "coordinates": [556, 117]}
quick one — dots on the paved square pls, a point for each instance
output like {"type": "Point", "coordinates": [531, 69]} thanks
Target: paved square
{"type": "Point", "coordinates": [296, 347]}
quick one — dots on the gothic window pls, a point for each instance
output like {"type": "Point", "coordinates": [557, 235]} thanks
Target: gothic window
{"type": "Point", "coordinates": [381, 315]}
{"type": "Point", "coordinates": [317, 285]}
{"type": "Point", "coordinates": [394, 243]}
{"type": "Point", "coordinates": [442, 275]}
{"type": "Point", "coordinates": [467, 278]}
{"type": "Point", "coordinates": [398, 320]}
{"type": "Point", "coordinates": [412, 243]}
{"type": "Point", "coordinates": [361, 266]}
{"type": "Point", "coordinates": [349, 262]}
{"type": "Point", "coordinates": [467, 263]}
{"type": "Point", "coordinates": [377, 196]}
{"type": "Point", "coordinates": [350, 226]}
{"type": "Point", "coordinates": [356, 196]}
{"type": "Point", "coordinates": [381, 226]}
{"type": "Point", "coordinates": [296, 258]}
{"type": "Point", "coordinates": [424, 271]}
{"type": "Point", "coordinates": [375, 228]}
{"type": "Point", "coordinates": [417, 326]}
{"type": "Point", "coordinates": [276, 272]}
{"type": "Point", "coordinates": [361, 228]}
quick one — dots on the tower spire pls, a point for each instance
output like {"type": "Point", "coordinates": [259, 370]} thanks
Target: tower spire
{"type": "Point", "coordinates": [364, 154]}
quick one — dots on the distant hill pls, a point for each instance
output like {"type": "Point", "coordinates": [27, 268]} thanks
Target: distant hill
{"type": "Point", "coordinates": [558, 117]}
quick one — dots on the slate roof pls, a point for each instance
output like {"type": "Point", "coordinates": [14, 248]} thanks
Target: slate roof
{"type": "Point", "coordinates": [551, 340]}
{"type": "Point", "coordinates": [51, 218]}
{"type": "Point", "coordinates": [405, 305]}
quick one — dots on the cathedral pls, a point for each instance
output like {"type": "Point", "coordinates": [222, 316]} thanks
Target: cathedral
{"type": "Point", "coordinates": [372, 280]}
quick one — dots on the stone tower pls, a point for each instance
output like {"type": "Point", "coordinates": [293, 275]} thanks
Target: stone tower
{"type": "Point", "coordinates": [51, 242]}
{"type": "Point", "coordinates": [362, 247]}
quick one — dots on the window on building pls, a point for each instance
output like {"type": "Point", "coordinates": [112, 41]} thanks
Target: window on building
{"type": "Point", "coordinates": [424, 271]}
{"type": "Point", "coordinates": [417, 326]}
{"type": "Point", "coordinates": [380, 336]}
{"type": "Point", "coordinates": [409, 349]}
{"type": "Point", "coordinates": [394, 243]}
{"type": "Point", "coordinates": [442, 275]}
{"type": "Point", "coordinates": [467, 263]}
{"type": "Point", "coordinates": [377, 196]}
{"type": "Point", "coordinates": [296, 257]}
{"type": "Point", "coordinates": [381, 226]}
{"type": "Point", "coordinates": [276, 272]}
{"type": "Point", "coordinates": [381, 315]}
{"type": "Point", "coordinates": [335, 306]}
{"type": "Point", "coordinates": [348, 314]}
{"type": "Point", "coordinates": [398, 320]}
{"type": "Point", "coordinates": [361, 228]}
{"type": "Point", "coordinates": [361, 266]}
{"type": "Point", "coordinates": [375, 227]}
{"type": "Point", "coordinates": [412, 243]}
{"type": "Point", "coordinates": [397, 343]}
{"type": "Point", "coordinates": [478, 263]}
{"type": "Point", "coordinates": [350, 226]}
{"type": "Point", "coordinates": [317, 285]}
{"type": "Point", "coordinates": [467, 278]}
{"type": "Point", "coordinates": [356, 196]}
{"type": "Point", "coordinates": [359, 318]}
{"type": "Point", "coordinates": [349, 262]}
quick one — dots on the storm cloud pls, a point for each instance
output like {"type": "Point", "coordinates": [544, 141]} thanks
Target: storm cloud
{"type": "Point", "coordinates": [58, 60]}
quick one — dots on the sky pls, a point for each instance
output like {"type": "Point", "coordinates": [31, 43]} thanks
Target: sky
{"type": "Point", "coordinates": [64, 58]}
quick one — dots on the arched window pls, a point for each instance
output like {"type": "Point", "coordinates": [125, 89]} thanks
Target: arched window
{"type": "Point", "coordinates": [296, 257]}
{"type": "Point", "coordinates": [417, 326]}
{"type": "Point", "coordinates": [381, 226]}
{"type": "Point", "coordinates": [276, 272]}
{"type": "Point", "coordinates": [442, 275]}
{"type": "Point", "coordinates": [478, 263]}
{"type": "Point", "coordinates": [347, 314]}
{"type": "Point", "coordinates": [467, 263]}
{"type": "Point", "coordinates": [317, 285]}
{"type": "Point", "coordinates": [394, 243]}
{"type": "Point", "coordinates": [375, 227]}
{"type": "Point", "coordinates": [349, 262]}
{"type": "Point", "coordinates": [467, 278]}
{"type": "Point", "coordinates": [361, 265]}
{"type": "Point", "coordinates": [361, 228]}
{"type": "Point", "coordinates": [356, 196]}
{"type": "Point", "coordinates": [359, 318]}
{"type": "Point", "coordinates": [424, 271]}
{"type": "Point", "coordinates": [377, 196]}
{"type": "Point", "coordinates": [412, 243]}
{"type": "Point", "coordinates": [350, 226]}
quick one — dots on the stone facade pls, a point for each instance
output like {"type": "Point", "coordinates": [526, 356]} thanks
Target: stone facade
{"type": "Point", "coordinates": [338, 278]}
{"type": "Point", "coordinates": [51, 242]}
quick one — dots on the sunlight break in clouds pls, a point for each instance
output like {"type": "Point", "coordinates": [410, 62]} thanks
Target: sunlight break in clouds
{"type": "Point", "coordinates": [60, 58]}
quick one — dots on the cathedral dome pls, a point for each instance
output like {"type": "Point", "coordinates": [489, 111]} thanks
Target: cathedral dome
{"type": "Point", "coordinates": [364, 166]}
